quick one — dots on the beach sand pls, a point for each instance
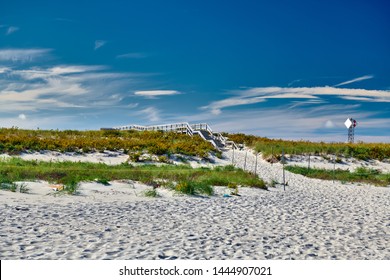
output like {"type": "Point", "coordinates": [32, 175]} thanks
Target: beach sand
{"type": "Point", "coordinates": [311, 219]}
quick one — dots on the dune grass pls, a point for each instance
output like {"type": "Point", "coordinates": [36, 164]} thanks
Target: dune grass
{"type": "Point", "coordinates": [361, 174]}
{"type": "Point", "coordinates": [14, 141]}
{"type": "Point", "coordinates": [192, 180]}
{"type": "Point", "coordinates": [274, 147]}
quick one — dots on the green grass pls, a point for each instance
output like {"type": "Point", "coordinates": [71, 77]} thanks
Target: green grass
{"type": "Point", "coordinates": [151, 193]}
{"type": "Point", "coordinates": [9, 185]}
{"type": "Point", "coordinates": [363, 175]}
{"type": "Point", "coordinates": [269, 147]}
{"type": "Point", "coordinates": [15, 141]}
{"type": "Point", "coordinates": [197, 180]}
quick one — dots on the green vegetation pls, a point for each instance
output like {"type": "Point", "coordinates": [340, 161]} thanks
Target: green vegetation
{"type": "Point", "coordinates": [14, 141]}
{"type": "Point", "coordinates": [194, 187]}
{"type": "Point", "coordinates": [183, 178]}
{"type": "Point", "coordinates": [8, 185]}
{"type": "Point", "coordinates": [233, 188]}
{"type": "Point", "coordinates": [363, 175]}
{"type": "Point", "coordinates": [271, 147]}
{"type": "Point", "coordinates": [151, 193]}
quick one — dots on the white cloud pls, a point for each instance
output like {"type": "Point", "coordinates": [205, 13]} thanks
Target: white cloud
{"type": "Point", "coordinates": [366, 99]}
{"type": "Point", "coordinates": [12, 29]}
{"type": "Point", "coordinates": [257, 95]}
{"type": "Point", "coordinates": [64, 86]}
{"type": "Point", "coordinates": [154, 93]}
{"type": "Point", "coordinates": [22, 55]}
{"type": "Point", "coordinates": [48, 122]}
{"type": "Point", "coordinates": [132, 105]}
{"type": "Point", "coordinates": [366, 77]}
{"type": "Point", "coordinates": [4, 69]}
{"type": "Point", "coordinates": [151, 113]}
{"type": "Point", "coordinates": [329, 124]}
{"type": "Point", "coordinates": [99, 44]}
{"type": "Point", "coordinates": [132, 55]}
{"type": "Point", "coordinates": [300, 123]}
{"type": "Point", "coordinates": [22, 116]}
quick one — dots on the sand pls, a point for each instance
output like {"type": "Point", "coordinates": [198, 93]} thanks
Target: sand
{"type": "Point", "coordinates": [311, 219]}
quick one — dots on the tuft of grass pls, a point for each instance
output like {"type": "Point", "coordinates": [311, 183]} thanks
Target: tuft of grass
{"type": "Point", "coordinates": [71, 187]}
{"type": "Point", "coordinates": [103, 181]}
{"type": "Point", "coordinates": [194, 188]}
{"type": "Point", "coordinates": [273, 183]}
{"type": "Point", "coordinates": [233, 188]}
{"type": "Point", "coordinates": [8, 185]}
{"type": "Point", "coordinates": [151, 193]}
{"type": "Point", "coordinates": [23, 188]}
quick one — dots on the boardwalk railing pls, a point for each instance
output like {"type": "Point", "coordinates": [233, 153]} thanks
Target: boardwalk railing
{"type": "Point", "coordinates": [212, 137]}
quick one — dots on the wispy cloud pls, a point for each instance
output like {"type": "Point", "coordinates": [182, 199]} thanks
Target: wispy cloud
{"type": "Point", "coordinates": [4, 69]}
{"type": "Point", "coordinates": [150, 113]}
{"type": "Point", "coordinates": [319, 123]}
{"type": "Point", "coordinates": [132, 55]}
{"type": "Point", "coordinates": [72, 86]}
{"type": "Point", "coordinates": [22, 55]}
{"type": "Point", "coordinates": [99, 44]}
{"type": "Point", "coordinates": [156, 93]}
{"type": "Point", "coordinates": [366, 77]}
{"type": "Point", "coordinates": [257, 95]}
{"type": "Point", "coordinates": [12, 29]}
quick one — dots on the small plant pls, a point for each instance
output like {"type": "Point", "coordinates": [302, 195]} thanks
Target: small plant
{"type": "Point", "coordinates": [23, 188]}
{"type": "Point", "coordinates": [103, 181]}
{"type": "Point", "coordinates": [71, 187]}
{"type": "Point", "coordinates": [163, 159]}
{"type": "Point", "coordinates": [233, 188]}
{"type": "Point", "coordinates": [151, 193]}
{"type": "Point", "coordinates": [12, 186]}
{"type": "Point", "coordinates": [135, 156]}
{"type": "Point", "coordinates": [273, 183]}
{"type": "Point", "coordinates": [229, 168]}
{"type": "Point", "coordinates": [258, 184]}
{"type": "Point", "coordinates": [193, 188]}
{"type": "Point", "coordinates": [185, 187]}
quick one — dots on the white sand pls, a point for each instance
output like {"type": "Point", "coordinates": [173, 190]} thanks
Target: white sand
{"type": "Point", "coordinates": [312, 219]}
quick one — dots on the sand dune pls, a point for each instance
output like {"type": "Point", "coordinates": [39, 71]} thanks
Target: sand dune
{"type": "Point", "coordinates": [312, 219]}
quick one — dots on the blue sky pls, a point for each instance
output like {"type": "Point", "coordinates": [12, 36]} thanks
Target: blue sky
{"type": "Point", "coordinates": [280, 69]}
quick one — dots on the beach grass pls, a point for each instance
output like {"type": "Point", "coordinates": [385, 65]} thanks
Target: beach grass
{"type": "Point", "coordinates": [275, 147]}
{"type": "Point", "coordinates": [15, 141]}
{"type": "Point", "coordinates": [360, 175]}
{"type": "Point", "coordinates": [193, 180]}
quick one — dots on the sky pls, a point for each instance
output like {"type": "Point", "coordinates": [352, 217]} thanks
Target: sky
{"type": "Point", "coordinates": [278, 69]}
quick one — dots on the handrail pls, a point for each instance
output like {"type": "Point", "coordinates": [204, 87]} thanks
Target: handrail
{"type": "Point", "coordinates": [184, 127]}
